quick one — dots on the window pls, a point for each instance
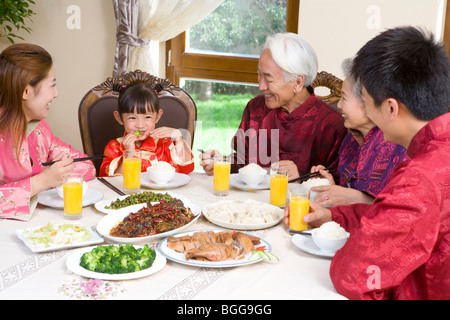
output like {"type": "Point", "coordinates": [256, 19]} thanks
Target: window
{"type": "Point", "coordinates": [216, 63]}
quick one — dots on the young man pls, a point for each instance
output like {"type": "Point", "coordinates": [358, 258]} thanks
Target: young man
{"type": "Point", "coordinates": [399, 247]}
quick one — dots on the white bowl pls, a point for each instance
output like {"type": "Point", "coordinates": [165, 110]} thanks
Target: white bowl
{"type": "Point", "coordinates": [315, 182]}
{"type": "Point", "coordinates": [160, 174]}
{"type": "Point", "coordinates": [328, 244]}
{"type": "Point", "coordinates": [252, 179]}
{"type": "Point", "coordinates": [61, 190]}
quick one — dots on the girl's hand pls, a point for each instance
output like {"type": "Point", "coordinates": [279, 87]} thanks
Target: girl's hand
{"type": "Point", "coordinates": [166, 132]}
{"type": "Point", "coordinates": [129, 142]}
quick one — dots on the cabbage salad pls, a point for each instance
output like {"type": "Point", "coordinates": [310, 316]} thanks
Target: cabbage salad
{"type": "Point", "coordinates": [50, 235]}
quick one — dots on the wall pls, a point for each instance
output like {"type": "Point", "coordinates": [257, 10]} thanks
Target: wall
{"type": "Point", "coordinates": [337, 29]}
{"type": "Point", "coordinates": [80, 36]}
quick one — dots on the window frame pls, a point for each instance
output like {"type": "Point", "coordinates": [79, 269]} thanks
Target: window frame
{"type": "Point", "coordinates": [235, 68]}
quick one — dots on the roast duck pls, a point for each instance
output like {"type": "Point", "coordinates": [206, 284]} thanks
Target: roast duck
{"type": "Point", "coordinates": [214, 246]}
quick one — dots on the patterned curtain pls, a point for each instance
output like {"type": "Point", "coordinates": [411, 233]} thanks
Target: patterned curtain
{"type": "Point", "coordinates": [127, 14]}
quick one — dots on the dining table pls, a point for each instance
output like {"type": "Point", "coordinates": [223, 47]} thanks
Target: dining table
{"type": "Point", "coordinates": [29, 275]}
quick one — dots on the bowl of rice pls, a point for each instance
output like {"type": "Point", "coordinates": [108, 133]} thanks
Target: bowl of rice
{"type": "Point", "coordinates": [316, 182]}
{"type": "Point", "coordinates": [252, 174]}
{"type": "Point", "coordinates": [330, 237]}
{"type": "Point", "coordinates": [161, 172]}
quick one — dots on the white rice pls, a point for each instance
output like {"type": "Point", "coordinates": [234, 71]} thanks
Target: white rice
{"type": "Point", "coordinates": [252, 168]}
{"type": "Point", "coordinates": [331, 230]}
{"type": "Point", "coordinates": [243, 212]}
{"type": "Point", "coordinates": [308, 184]}
{"type": "Point", "coordinates": [160, 166]}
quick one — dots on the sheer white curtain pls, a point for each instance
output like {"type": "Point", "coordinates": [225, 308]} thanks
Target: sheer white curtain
{"type": "Point", "coordinates": [161, 20]}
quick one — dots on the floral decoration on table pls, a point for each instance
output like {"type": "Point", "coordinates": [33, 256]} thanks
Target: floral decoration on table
{"type": "Point", "coordinates": [90, 289]}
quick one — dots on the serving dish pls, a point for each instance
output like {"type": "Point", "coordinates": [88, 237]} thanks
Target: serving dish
{"type": "Point", "coordinates": [73, 264]}
{"type": "Point", "coordinates": [107, 223]}
{"type": "Point", "coordinates": [180, 257]}
{"type": "Point", "coordinates": [21, 234]}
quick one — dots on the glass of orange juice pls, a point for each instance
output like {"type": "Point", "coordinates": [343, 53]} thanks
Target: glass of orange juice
{"type": "Point", "coordinates": [131, 171]}
{"type": "Point", "coordinates": [298, 208]}
{"type": "Point", "coordinates": [222, 169]}
{"type": "Point", "coordinates": [278, 186]}
{"type": "Point", "coordinates": [73, 195]}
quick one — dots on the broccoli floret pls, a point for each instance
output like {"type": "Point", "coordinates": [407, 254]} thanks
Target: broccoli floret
{"type": "Point", "coordinates": [118, 259]}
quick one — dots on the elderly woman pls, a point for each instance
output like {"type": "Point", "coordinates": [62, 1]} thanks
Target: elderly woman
{"type": "Point", "coordinates": [287, 124]}
{"type": "Point", "coordinates": [366, 160]}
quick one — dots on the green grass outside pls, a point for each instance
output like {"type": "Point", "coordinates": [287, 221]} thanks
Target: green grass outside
{"type": "Point", "coordinates": [217, 122]}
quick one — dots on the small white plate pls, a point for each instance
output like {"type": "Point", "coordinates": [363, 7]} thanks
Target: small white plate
{"type": "Point", "coordinates": [50, 198]}
{"type": "Point", "coordinates": [180, 257]}
{"type": "Point", "coordinates": [305, 243]}
{"type": "Point", "coordinates": [96, 239]}
{"type": "Point", "coordinates": [236, 181]}
{"type": "Point", "coordinates": [73, 264]}
{"type": "Point", "coordinates": [178, 180]}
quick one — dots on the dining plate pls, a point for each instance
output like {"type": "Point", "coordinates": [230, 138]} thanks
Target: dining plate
{"type": "Point", "coordinates": [50, 198]}
{"type": "Point", "coordinates": [178, 180]}
{"type": "Point", "coordinates": [73, 264]}
{"type": "Point", "coordinates": [180, 257]}
{"type": "Point", "coordinates": [305, 243]}
{"type": "Point", "coordinates": [236, 182]}
{"type": "Point", "coordinates": [21, 234]}
{"type": "Point", "coordinates": [100, 205]}
{"type": "Point", "coordinates": [228, 212]}
{"type": "Point", "coordinates": [108, 222]}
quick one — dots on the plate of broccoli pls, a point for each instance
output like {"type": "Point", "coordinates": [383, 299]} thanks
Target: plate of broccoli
{"type": "Point", "coordinates": [116, 262]}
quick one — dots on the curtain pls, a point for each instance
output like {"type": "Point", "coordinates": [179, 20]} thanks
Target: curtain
{"type": "Point", "coordinates": [127, 14]}
{"type": "Point", "coordinates": [161, 20]}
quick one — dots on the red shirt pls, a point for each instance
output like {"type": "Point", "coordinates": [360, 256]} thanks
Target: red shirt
{"type": "Point", "coordinates": [152, 151]}
{"type": "Point", "coordinates": [399, 247]}
{"type": "Point", "coordinates": [310, 135]}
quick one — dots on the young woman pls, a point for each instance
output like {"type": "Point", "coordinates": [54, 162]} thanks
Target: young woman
{"type": "Point", "coordinates": [138, 111]}
{"type": "Point", "coordinates": [27, 88]}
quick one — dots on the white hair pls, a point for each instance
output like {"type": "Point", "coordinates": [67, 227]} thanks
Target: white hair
{"type": "Point", "coordinates": [347, 65]}
{"type": "Point", "coordinates": [294, 56]}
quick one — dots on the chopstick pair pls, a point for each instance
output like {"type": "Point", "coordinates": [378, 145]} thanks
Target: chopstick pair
{"type": "Point", "coordinates": [112, 187]}
{"type": "Point", "coordinates": [307, 176]}
{"type": "Point", "coordinates": [74, 160]}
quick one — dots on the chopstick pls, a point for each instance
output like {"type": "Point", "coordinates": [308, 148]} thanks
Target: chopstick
{"type": "Point", "coordinates": [307, 176]}
{"type": "Point", "coordinates": [109, 185]}
{"type": "Point", "coordinates": [75, 160]}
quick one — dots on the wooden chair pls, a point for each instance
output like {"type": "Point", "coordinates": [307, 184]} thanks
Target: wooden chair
{"type": "Point", "coordinates": [98, 125]}
{"type": "Point", "coordinates": [333, 83]}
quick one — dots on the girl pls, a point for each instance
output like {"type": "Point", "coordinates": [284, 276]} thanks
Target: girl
{"type": "Point", "coordinates": [27, 88]}
{"type": "Point", "coordinates": [138, 111]}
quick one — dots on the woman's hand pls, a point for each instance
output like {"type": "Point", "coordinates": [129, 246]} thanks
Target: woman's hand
{"type": "Point", "coordinates": [334, 195]}
{"type": "Point", "coordinates": [324, 173]}
{"type": "Point", "coordinates": [52, 176]}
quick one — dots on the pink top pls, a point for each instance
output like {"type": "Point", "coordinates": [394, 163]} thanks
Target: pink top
{"type": "Point", "coordinates": [15, 183]}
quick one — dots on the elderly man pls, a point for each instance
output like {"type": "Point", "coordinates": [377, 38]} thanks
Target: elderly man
{"type": "Point", "coordinates": [399, 247]}
{"type": "Point", "coordinates": [287, 123]}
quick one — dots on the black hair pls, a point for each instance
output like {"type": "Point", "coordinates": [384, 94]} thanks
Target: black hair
{"type": "Point", "coordinates": [406, 64]}
{"type": "Point", "coordinates": [138, 97]}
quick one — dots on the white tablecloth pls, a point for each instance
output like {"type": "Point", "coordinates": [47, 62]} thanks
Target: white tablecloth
{"type": "Point", "coordinates": [298, 275]}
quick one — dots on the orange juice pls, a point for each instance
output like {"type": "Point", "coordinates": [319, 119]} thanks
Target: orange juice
{"type": "Point", "coordinates": [278, 190]}
{"type": "Point", "coordinates": [222, 177]}
{"type": "Point", "coordinates": [298, 208]}
{"type": "Point", "coordinates": [131, 174]}
{"type": "Point", "coordinates": [73, 197]}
